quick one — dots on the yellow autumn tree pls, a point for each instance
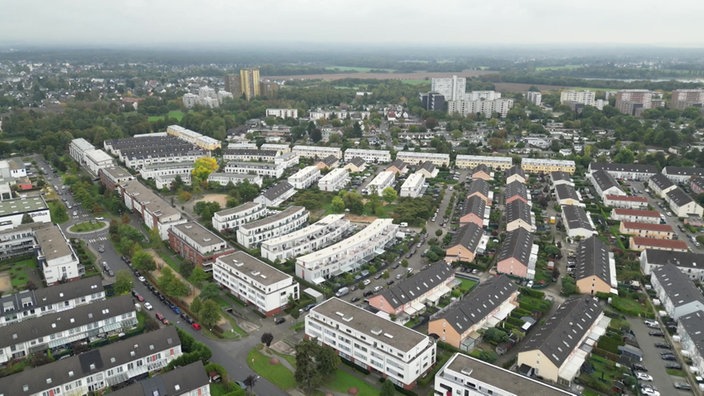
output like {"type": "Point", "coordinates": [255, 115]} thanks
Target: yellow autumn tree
{"type": "Point", "coordinates": [203, 167]}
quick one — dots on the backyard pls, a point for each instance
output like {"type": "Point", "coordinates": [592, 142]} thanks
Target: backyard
{"type": "Point", "coordinates": [20, 273]}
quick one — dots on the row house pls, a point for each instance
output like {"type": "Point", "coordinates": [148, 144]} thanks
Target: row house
{"type": "Point", "coordinates": [287, 160]}
{"type": "Point", "coordinates": [54, 330]}
{"type": "Point", "coordinates": [328, 163]}
{"type": "Point", "coordinates": [252, 234]}
{"type": "Point", "coordinates": [639, 172]}
{"type": "Point", "coordinates": [326, 231]}
{"type": "Point", "coordinates": [647, 230]}
{"type": "Point", "coordinates": [519, 215]}
{"type": "Point", "coordinates": [475, 211]}
{"type": "Point", "coordinates": [280, 147]}
{"type": "Point", "coordinates": [595, 268]}
{"type": "Point", "coordinates": [544, 165]}
{"type": "Point", "coordinates": [677, 293]}
{"type": "Point", "coordinates": [348, 254]}
{"type": "Point", "coordinates": [484, 307]}
{"type": "Point", "coordinates": [625, 201]}
{"type": "Point", "coordinates": [697, 185]}
{"type": "Point", "coordinates": [276, 195]}
{"type": "Point", "coordinates": [605, 184]}
{"type": "Point", "coordinates": [680, 174]}
{"type": "Point", "coordinates": [138, 160]}
{"type": "Point", "coordinates": [18, 241]}
{"type": "Point", "coordinates": [661, 185]}
{"type": "Point", "coordinates": [467, 242]}
{"type": "Point", "coordinates": [304, 178]}
{"type": "Point", "coordinates": [156, 213]}
{"type": "Point", "coordinates": [395, 352]}
{"type": "Point", "coordinates": [672, 245]}
{"type": "Point", "coordinates": [190, 380]}
{"type": "Point", "coordinates": [682, 204]}
{"type": "Point", "coordinates": [561, 178]}
{"type": "Point", "coordinates": [518, 255]}
{"type": "Point", "coordinates": [265, 169]}
{"type": "Point", "coordinates": [113, 176]}
{"type": "Point", "coordinates": [255, 282]}
{"type": "Point", "coordinates": [55, 256]}
{"type": "Point", "coordinates": [317, 151]}
{"type": "Point", "coordinates": [99, 369]}
{"type": "Point", "coordinates": [224, 179]}
{"type": "Point", "coordinates": [515, 174]}
{"type": "Point", "coordinates": [335, 180]}
{"type": "Point", "coordinates": [636, 215]}
{"type": "Point", "coordinates": [232, 218]}
{"type": "Point", "coordinates": [463, 161]}
{"type": "Point", "coordinates": [411, 295]}
{"type": "Point", "coordinates": [413, 186]}
{"type": "Point", "coordinates": [193, 137]}
{"type": "Point", "coordinates": [28, 304]}
{"type": "Point", "coordinates": [689, 328]}
{"type": "Point", "coordinates": [197, 244]}
{"type": "Point", "coordinates": [381, 181]}
{"type": "Point", "coordinates": [398, 167]}
{"type": "Point", "coordinates": [566, 194]}
{"type": "Point", "coordinates": [370, 156]}
{"type": "Point", "coordinates": [356, 165]}
{"type": "Point", "coordinates": [577, 222]}
{"type": "Point", "coordinates": [415, 158]}
{"type": "Point", "coordinates": [516, 191]}
{"type": "Point", "coordinates": [249, 155]}
{"type": "Point", "coordinates": [480, 188]}
{"type": "Point", "coordinates": [691, 264]}
{"type": "Point", "coordinates": [481, 171]}
{"type": "Point", "coordinates": [163, 172]}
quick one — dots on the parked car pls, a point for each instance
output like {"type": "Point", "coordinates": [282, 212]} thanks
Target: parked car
{"type": "Point", "coordinates": [138, 297]}
{"type": "Point", "coordinates": [148, 305]}
{"type": "Point", "coordinates": [662, 345]}
{"type": "Point", "coordinates": [639, 367]}
{"type": "Point", "coordinates": [279, 320]}
{"type": "Point", "coordinates": [161, 318]}
{"type": "Point", "coordinates": [683, 386]}
{"type": "Point", "coordinates": [195, 326]}
{"type": "Point", "coordinates": [643, 376]}
{"type": "Point", "coordinates": [355, 299]}
{"type": "Point", "coordinates": [367, 293]}
{"type": "Point", "coordinates": [673, 365]}
{"type": "Point", "coordinates": [670, 357]}
{"type": "Point", "coordinates": [651, 323]}
{"type": "Point", "coordinates": [656, 333]}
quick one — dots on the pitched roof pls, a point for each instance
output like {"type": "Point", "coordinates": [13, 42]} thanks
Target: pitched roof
{"type": "Point", "coordinates": [52, 295]}
{"type": "Point", "coordinates": [636, 212]}
{"type": "Point", "coordinates": [635, 168]}
{"type": "Point", "coordinates": [678, 287]}
{"type": "Point", "coordinates": [679, 197]}
{"type": "Point", "coordinates": [515, 170]}
{"type": "Point", "coordinates": [680, 259]}
{"type": "Point", "coordinates": [480, 168]}
{"type": "Point", "coordinates": [518, 210]}
{"type": "Point", "coordinates": [698, 181]}
{"type": "Point", "coordinates": [478, 186]}
{"type": "Point", "coordinates": [357, 161]}
{"type": "Point", "coordinates": [632, 225]}
{"type": "Point", "coordinates": [428, 166]}
{"type": "Point", "coordinates": [557, 176]}
{"type": "Point", "coordinates": [626, 198]}
{"type": "Point", "coordinates": [576, 217]}
{"type": "Point", "coordinates": [562, 332]}
{"type": "Point", "coordinates": [660, 243]}
{"type": "Point", "coordinates": [660, 181]}
{"type": "Point", "coordinates": [468, 236]}
{"type": "Point", "coordinates": [565, 191]}
{"type": "Point", "coordinates": [683, 171]}
{"type": "Point", "coordinates": [604, 180]}
{"type": "Point", "coordinates": [592, 258]}
{"type": "Point", "coordinates": [480, 302]}
{"type": "Point", "coordinates": [475, 205]}
{"type": "Point", "coordinates": [516, 188]}
{"type": "Point", "coordinates": [693, 325]}
{"type": "Point", "coordinates": [518, 245]}
{"type": "Point", "coordinates": [412, 288]}
{"type": "Point", "coordinates": [178, 381]}
{"type": "Point", "coordinates": [330, 160]}
{"type": "Point", "coordinates": [398, 164]}
{"type": "Point", "coordinates": [277, 190]}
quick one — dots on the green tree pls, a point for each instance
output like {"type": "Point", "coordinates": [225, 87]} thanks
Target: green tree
{"type": "Point", "coordinates": [495, 336]}
{"type": "Point", "coordinates": [569, 286]}
{"type": "Point", "coordinates": [123, 282]}
{"type": "Point", "coordinates": [387, 388]}
{"type": "Point", "coordinates": [209, 314]}
{"type": "Point", "coordinates": [206, 209]}
{"type": "Point", "coordinates": [313, 364]}
{"type": "Point", "coordinates": [337, 204]}
{"type": "Point", "coordinates": [196, 305]}
{"type": "Point", "coordinates": [209, 291]}
{"type": "Point", "coordinates": [143, 261]}
{"type": "Point", "coordinates": [27, 219]}
{"type": "Point", "coordinates": [389, 194]}
{"type": "Point", "coordinates": [267, 338]}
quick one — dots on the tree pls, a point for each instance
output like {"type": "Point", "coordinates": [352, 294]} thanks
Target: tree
{"type": "Point", "coordinates": [569, 286]}
{"type": "Point", "coordinates": [389, 194]}
{"type": "Point", "coordinates": [387, 388]}
{"type": "Point", "coordinates": [209, 291]}
{"type": "Point", "coordinates": [313, 364]}
{"type": "Point", "coordinates": [337, 204]}
{"type": "Point", "coordinates": [203, 167]}
{"type": "Point", "coordinates": [27, 219]}
{"type": "Point", "coordinates": [206, 209]}
{"type": "Point", "coordinates": [123, 282]}
{"type": "Point", "coordinates": [143, 261]}
{"type": "Point", "coordinates": [171, 285]}
{"type": "Point", "coordinates": [267, 338]}
{"type": "Point", "coordinates": [196, 305]}
{"type": "Point", "coordinates": [209, 314]}
{"type": "Point", "coordinates": [495, 336]}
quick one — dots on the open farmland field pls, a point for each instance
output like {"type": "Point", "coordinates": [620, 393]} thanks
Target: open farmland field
{"type": "Point", "coordinates": [380, 76]}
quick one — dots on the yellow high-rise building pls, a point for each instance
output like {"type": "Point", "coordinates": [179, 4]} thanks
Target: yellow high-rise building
{"type": "Point", "coordinates": [249, 83]}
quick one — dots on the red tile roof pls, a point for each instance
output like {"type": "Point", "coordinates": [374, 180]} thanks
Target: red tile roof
{"type": "Point", "coordinates": [636, 212]}
{"type": "Point", "coordinates": [632, 225]}
{"type": "Point", "coordinates": [660, 243]}
{"type": "Point", "coordinates": [630, 198]}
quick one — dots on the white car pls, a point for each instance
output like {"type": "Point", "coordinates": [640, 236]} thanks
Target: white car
{"type": "Point", "coordinates": [649, 391]}
{"type": "Point", "coordinates": [148, 305]}
{"type": "Point", "coordinates": [651, 323]}
{"type": "Point", "coordinates": [643, 376]}
{"type": "Point", "coordinates": [142, 279]}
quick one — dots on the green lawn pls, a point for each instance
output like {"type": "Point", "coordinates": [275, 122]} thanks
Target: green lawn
{"type": "Point", "coordinates": [177, 114]}
{"type": "Point", "coordinates": [19, 272]}
{"type": "Point", "coordinates": [466, 284]}
{"type": "Point", "coordinates": [87, 226]}
{"type": "Point", "coordinates": [276, 374]}
{"type": "Point", "coordinates": [341, 381]}
{"type": "Point", "coordinates": [628, 306]}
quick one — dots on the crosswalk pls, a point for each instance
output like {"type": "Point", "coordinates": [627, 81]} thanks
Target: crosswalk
{"type": "Point", "coordinates": [101, 238]}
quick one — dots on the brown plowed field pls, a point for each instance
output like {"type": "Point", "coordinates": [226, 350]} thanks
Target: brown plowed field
{"type": "Point", "coordinates": [379, 76]}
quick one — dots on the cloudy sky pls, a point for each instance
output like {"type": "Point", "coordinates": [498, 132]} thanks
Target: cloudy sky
{"type": "Point", "coordinates": [408, 22]}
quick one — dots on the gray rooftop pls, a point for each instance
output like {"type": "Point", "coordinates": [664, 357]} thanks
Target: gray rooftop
{"type": "Point", "coordinates": [330, 160]}
{"type": "Point", "coordinates": [479, 303]}
{"type": "Point", "coordinates": [428, 166]}
{"type": "Point", "coordinates": [117, 172]}
{"type": "Point", "coordinates": [678, 287]}
{"type": "Point", "coordinates": [253, 267]}
{"type": "Point", "coordinates": [698, 181]}
{"type": "Point", "coordinates": [250, 152]}
{"type": "Point", "coordinates": [566, 191]}
{"type": "Point", "coordinates": [515, 170]}
{"type": "Point", "coordinates": [468, 236]}
{"type": "Point", "coordinates": [635, 168]}
{"type": "Point", "coordinates": [18, 332]}
{"type": "Point", "coordinates": [556, 176]}
{"type": "Point", "coordinates": [576, 217]}
{"type": "Point", "coordinates": [604, 180]}
{"type": "Point", "coordinates": [198, 233]}
{"type": "Point", "coordinates": [273, 218]}
{"type": "Point", "coordinates": [372, 326]}
{"type": "Point", "coordinates": [680, 259]}
{"type": "Point", "coordinates": [592, 259]}
{"type": "Point", "coordinates": [52, 242]}
{"type": "Point", "coordinates": [475, 205]}
{"type": "Point", "coordinates": [51, 295]}
{"type": "Point", "coordinates": [516, 188]}
{"type": "Point", "coordinates": [562, 332]}
{"type": "Point", "coordinates": [22, 205]}
{"type": "Point", "coordinates": [237, 209]}
{"type": "Point", "coordinates": [178, 381]}
{"type": "Point", "coordinates": [149, 199]}
{"type": "Point", "coordinates": [693, 325]}
{"type": "Point", "coordinates": [412, 288]}
{"type": "Point", "coordinates": [683, 171]}
{"type": "Point", "coordinates": [277, 190]}
{"type": "Point", "coordinates": [93, 361]}
{"type": "Point", "coordinates": [518, 244]}
{"type": "Point", "coordinates": [480, 168]}
{"type": "Point", "coordinates": [661, 181]}
{"type": "Point", "coordinates": [478, 186]}
{"type": "Point", "coordinates": [518, 210]}
{"type": "Point", "coordinates": [679, 197]}
{"type": "Point", "coordinates": [356, 161]}
{"type": "Point", "coordinates": [398, 164]}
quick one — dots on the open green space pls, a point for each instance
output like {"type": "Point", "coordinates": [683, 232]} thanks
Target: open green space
{"type": "Point", "coordinates": [87, 226]}
{"type": "Point", "coordinates": [466, 284]}
{"type": "Point", "coordinates": [19, 271]}
{"type": "Point", "coordinates": [561, 67]}
{"type": "Point", "coordinates": [277, 374]}
{"type": "Point", "coordinates": [177, 114]}
{"type": "Point", "coordinates": [341, 381]}
{"type": "Point", "coordinates": [356, 69]}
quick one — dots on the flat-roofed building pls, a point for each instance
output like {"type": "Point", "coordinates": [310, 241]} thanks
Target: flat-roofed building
{"type": "Point", "coordinates": [625, 201]}
{"type": "Point", "coordinates": [317, 151]}
{"type": "Point", "coordinates": [348, 254]}
{"type": "Point", "coordinates": [557, 349]}
{"type": "Point", "coordinates": [197, 244]}
{"type": "Point", "coordinates": [415, 158]}
{"type": "Point", "coordinates": [78, 148]}
{"type": "Point", "coordinates": [484, 307]}
{"type": "Point", "coordinates": [647, 230]}
{"type": "Point", "coordinates": [465, 375]}
{"type": "Point", "coordinates": [195, 138]}
{"type": "Point", "coordinates": [112, 176]}
{"type": "Point", "coordinates": [54, 330]}
{"type": "Point", "coordinates": [252, 234]}
{"type": "Point", "coordinates": [677, 293]}
{"type": "Point", "coordinates": [466, 244]}
{"type": "Point", "coordinates": [544, 165]}
{"type": "Point", "coordinates": [280, 147]}
{"type": "Point", "coordinates": [12, 211]}
{"type": "Point", "coordinates": [326, 231]}
{"type": "Point", "coordinates": [639, 244]}
{"type": "Point", "coordinates": [463, 161]}
{"type": "Point", "coordinates": [305, 177]}
{"type": "Point", "coordinates": [249, 155]}
{"type": "Point", "coordinates": [224, 179]}
{"type": "Point", "coordinates": [232, 218]}
{"type": "Point", "coordinates": [267, 169]}
{"type": "Point", "coordinates": [255, 282]}
{"type": "Point", "coordinates": [370, 156]}
{"type": "Point", "coordinates": [636, 215]}
{"type": "Point", "coordinates": [400, 354]}
{"type": "Point", "coordinates": [381, 181]}
{"type": "Point", "coordinates": [97, 159]}
{"type": "Point", "coordinates": [595, 267]}
{"type": "Point", "coordinates": [691, 264]}
{"type": "Point", "coordinates": [335, 180]}
{"type": "Point", "coordinates": [282, 113]}
{"type": "Point", "coordinates": [276, 195]}
{"type": "Point", "coordinates": [55, 256]}
{"type": "Point", "coordinates": [413, 186]}
{"type": "Point", "coordinates": [518, 255]}
{"type": "Point", "coordinates": [577, 222]}
{"type": "Point", "coordinates": [156, 213]}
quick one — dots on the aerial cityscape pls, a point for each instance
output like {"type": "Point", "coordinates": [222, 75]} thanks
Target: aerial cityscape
{"type": "Point", "coordinates": [318, 198]}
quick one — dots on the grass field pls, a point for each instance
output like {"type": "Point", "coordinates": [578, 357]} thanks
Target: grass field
{"type": "Point", "coordinates": [562, 67]}
{"type": "Point", "coordinates": [18, 272]}
{"type": "Point", "coordinates": [177, 114]}
{"type": "Point", "coordinates": [276, 374]}
{"type": "Point", "coordinates": [355, 69]}
{"type": "Point", "coordinates": [87, 226]}
{"type": "Point", "coordinates": [466, 284]}
{"type": "Point", "coordinates": [341, 381]}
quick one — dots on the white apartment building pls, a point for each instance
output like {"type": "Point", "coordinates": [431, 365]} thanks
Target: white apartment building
{"type": "Point", "coordinates": [77, 149]}
{"type": "Point", "coordinates": [55, 255]}
{"type": "Point", "coordinates": [255, 282]}
{"type": "Point", "coordinates": [534, 97]}
{"type": "Point", "coordinates": [486, 107]}
{"type": "Point", "coordinates": [452, 88]}
{"type": "Point", "coordinates": [139, 161]}
{"type": "Point", "coordinates": [110, 316]}
{"type": "Point", "coordinates": [195, 138]}
{"type": "Point", "coordinates": [317, 151]}
{"type": "Point", "coordinates": [156, 213]}
{"type": "Point", "coordinates": [678, 294]}
{"type": "Point", "coordinates": [413, 186]}
{"type": "Point", "coordinates": [166, 181]}
{"type": "Point", "coordinates": [91, 372]}
{"type": "Point", "coordinates": [287, 160]}
{"type": "Point", "coordinates": [256, 168]}
{"type": "Point", "coordinates": [224, 179]}
{"type": "Point", "coordinates": [305, 177]}
{"type": "Point", "coordinates": [335, 180]}
{"type": "Point", "coordinates": [276, 195]}
{"type": "Point", "coordinates": [348, 254]}
{"type": "Point", "coordinates": [243, 145]}
{"type": "Point", "coordinates": [369, 156]}
{"type": "Point", "coordinates": [281, 148]}
{"type": "Point", "coordinates": [28, 304]}
{"type": "Point", "coordinates": [544, 165]}
{"type": "Point", "coordinates": [326, 231]}
{"type": "Point", "coordinates": [249, 155]}
{"type": "Point", "coordinates": [252, 234]}
{"type": "Point", "coordinates": [689, 327]}
{"type": "Point", "coordinates": [12, 211]}
{"type": "Point", "coordinates": [97, 159]}
{"type": "Point", "coordinates": [379, 345]}
{"type": "Point", "coordinates": [415, 158]}
{"type": "Point", "coordinates": [584, 97]}
{"type": "Point", "coordinates": [472, 161]}
{"type": "Point", "coordinates": [282, 113]}
{"type": "Point", "coordinates": [153, 171]}
{"type": "Point", "coordinates": [232, 218]}
{"type": "Point", "coordinates": [380, 182]}
{"type": "Point", "coordinates": [197, 244]}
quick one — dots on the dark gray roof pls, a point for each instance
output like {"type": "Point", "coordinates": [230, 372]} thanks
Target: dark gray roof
{"type": "Point", "coordinates": [476, 205]}
{"type": "Point", "coordinates": [555, 176]}
{"type": "Point", "coordinates": [515, 170]}
{"type": "Point", "coordinates": [356, 161]}
{"type": "Point", "coordinates": [565, 191]}
{"type": "Point", "coordinates": [576, 217]}
{"type": "Point", "coordinates": [15, 333]}
{"type": "Point", "coordinates": [516, 188]}
{"type": "Point", "coordinates": [330, 160]}
{"type": "Point", "coordinates": [635, 168]}
{"type": "Point", "coordinates": [75, 367]}
{"type": "Point", "coordinates": [518, 210]}
{"type": "Point", "coordinates": [683, 171]}
{"type": "Point", "coordinates": [478, 186]}
{"type": "Point", "coordinates": [481, 168]}
{"type": "Point", "coordinates": [604, 180]}
{"type": "Point", "coordinates": [518, 244]}
{"type": "Point", "coordinates": [178, 381]}
{"type": "Point", "coordinates": [678, 287]}
{"type": "Point", "coordinates": [693, 325]}
{"type": "Point", "coordinates": [698, 181]}
{"type": "Point", "coordinates": [680, 259]}
{"type": "Point", "coordinates": [277, 190]}
{"type": "Point", "coordinates": [428, 166]}
{"type": "Point", "coordinates": [661, 181]}
{"type": "Point", "coordinates": [561, 333]}
{"type": "Point", "coordinates": [468, 236]}
{"type": "Point", "coordinates": [52, 295]}
{"type": "Point", "coordinates": [412, 288]}
{"type": "Point", "coordinates": [250, 152]}
{"type": "Point", "coordinates": [679, 197]}
{"type": "Point", "coordinates": [481, 301]}
{"type": "Point", "coordinates": [398, 164]}
{"type": "Point", "coordinates": [592, 259]}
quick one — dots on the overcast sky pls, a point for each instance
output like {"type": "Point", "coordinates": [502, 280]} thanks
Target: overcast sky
{"type": "Point", "coordinates": [407, 22]}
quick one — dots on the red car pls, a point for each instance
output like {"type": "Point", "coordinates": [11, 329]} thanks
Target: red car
{"type": "Point", "coordinates": [195, 326]}
{"type": "Point", "coordinates": [139, 297]}
{"type": "Point", "coordinates": [161, 318]}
